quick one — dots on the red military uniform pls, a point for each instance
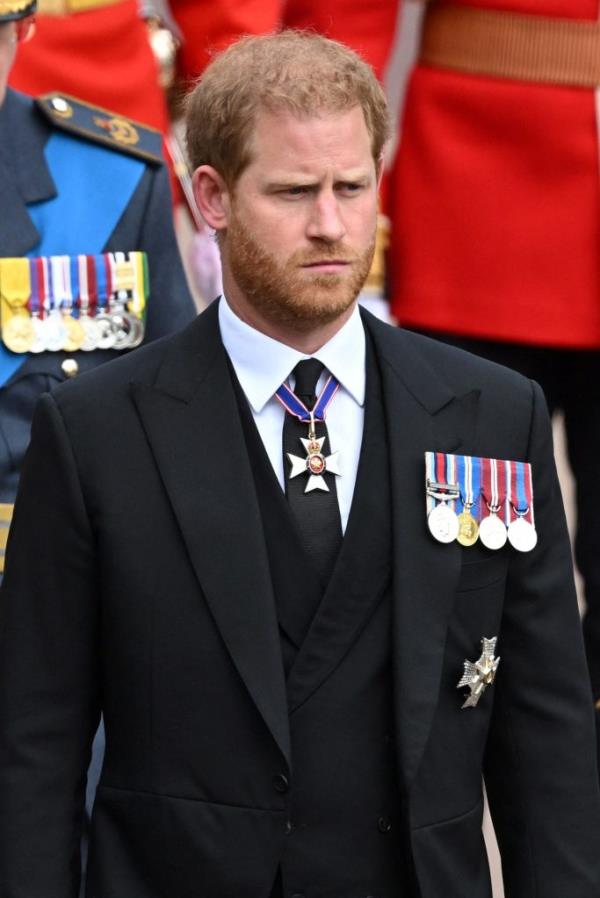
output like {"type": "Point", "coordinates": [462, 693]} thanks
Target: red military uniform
{"type": "Point", "coordinates": [368, 28]}
{"type": "Point", "coordinates": [211, 26]}
{"type": "Point", "coordinates": [496, 229]}
{"type": "Point", "coordinates": [101, 54]}
{"type": "Point", "coordinates": [496, 203]}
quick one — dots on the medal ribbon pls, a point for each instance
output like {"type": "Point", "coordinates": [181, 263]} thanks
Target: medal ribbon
{"type": "Point", "coordinates": [138, 301]}
{"type": "Point", "coordinates": [35, 305]}
{"type": "Point", "coordinates": [493, 483]}
{"type": "Point", "coordinates": [111, 285]}
{"type": "Point", "coordinates": [92, 283]}
{"type": "Point", "coordinates": [74, 284]}
{"type": "Point", "coordinates": [522, 492]}
{"type": "Point", "coordinates": [451, 481]}
{"type": "Point", "coordinates": [68, 289]}
{"type": "Point", "coordinates": [429, 478]}
{"type": "Point", "coordinates": [55, 293]}
{"type": "Point", "coordinates": [44, 282]}
{"type": "Point", "coordinates": [102, 281]}
{"type": "Point", "coordinates": [296, 407]}
{"type": "Point", "coordinates": [462, 473]}
{"type": "Point", "coordinates": [84, 296]}
{"type": "Point", "coordinates": [474, 480]}
{"type": "Point", "coordinates": [469, 481]}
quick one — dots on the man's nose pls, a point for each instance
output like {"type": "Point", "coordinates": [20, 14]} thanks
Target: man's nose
{"type": "Point", "coordinates": [326, 222]}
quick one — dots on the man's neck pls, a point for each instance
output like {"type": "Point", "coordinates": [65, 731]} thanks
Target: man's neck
{"type": "Point", "coordinates": [306, 341]}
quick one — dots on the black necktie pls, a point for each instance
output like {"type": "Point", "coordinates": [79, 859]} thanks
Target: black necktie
{"type": "Point", "coordinates": [317, 513]}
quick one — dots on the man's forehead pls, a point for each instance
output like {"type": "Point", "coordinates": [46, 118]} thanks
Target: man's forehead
{"type": "Point", "coordinates": [286, 139]}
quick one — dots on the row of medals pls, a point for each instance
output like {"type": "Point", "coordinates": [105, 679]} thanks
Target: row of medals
{"type": "Point", "coordinates": [60, 331]}
{"type": "Point", "coordinates": [446, 526]}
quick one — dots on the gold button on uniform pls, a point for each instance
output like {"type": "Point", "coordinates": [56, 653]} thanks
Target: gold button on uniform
{"type": "Point", "coordinates": [70, 368]}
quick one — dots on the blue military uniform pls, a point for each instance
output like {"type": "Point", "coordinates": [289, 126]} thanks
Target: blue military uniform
{"type": "Point", "coordinates": [75, 179]}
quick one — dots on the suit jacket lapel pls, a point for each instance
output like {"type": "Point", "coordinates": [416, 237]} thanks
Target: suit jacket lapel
{"type": "Point", "coordinates": [24, 174]}
{"type": "Point", "coordinates": [422, 414]}
{"type": "Point", "coordinates": [192, 423]}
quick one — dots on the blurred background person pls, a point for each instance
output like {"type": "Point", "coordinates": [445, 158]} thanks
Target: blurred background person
{"type": "Point", "coordinates": [67, 188]}
{"type": "Point", "coordinates": [495, 203]}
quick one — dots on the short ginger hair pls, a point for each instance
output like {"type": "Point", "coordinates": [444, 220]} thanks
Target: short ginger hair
{"type": "Point", "coordinates": [296, 71]}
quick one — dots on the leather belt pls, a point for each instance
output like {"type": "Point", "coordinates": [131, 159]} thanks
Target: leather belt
{"type": "Point", "coordinates": [64, 7]}
{"type": "Point", "coordinates": [512, 45]}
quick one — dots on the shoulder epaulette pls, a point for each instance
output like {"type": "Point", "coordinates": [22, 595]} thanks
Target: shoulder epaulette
{"type": "Point", "coordinates": [102, 126]}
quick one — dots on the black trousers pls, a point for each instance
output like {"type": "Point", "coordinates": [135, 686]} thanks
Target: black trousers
{"type": "Point", "coordinates": [571, 382]}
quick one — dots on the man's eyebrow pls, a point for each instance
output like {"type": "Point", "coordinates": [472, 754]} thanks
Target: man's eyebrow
{"type": "Point", "coordinates": [284, 182]}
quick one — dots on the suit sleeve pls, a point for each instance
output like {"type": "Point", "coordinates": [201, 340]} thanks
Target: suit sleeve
{"type": "Point", "coordinates": [148, 225]}
{"type": "Point", "coordinates": [49, 683]}
{"type": "Point", "coordinates": [540, 770]}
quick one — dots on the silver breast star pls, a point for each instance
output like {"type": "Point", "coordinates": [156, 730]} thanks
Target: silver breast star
{"type": "Point", "coordinates": [480, 674]}
{"type": "Point", "coordinates": [315, 464]}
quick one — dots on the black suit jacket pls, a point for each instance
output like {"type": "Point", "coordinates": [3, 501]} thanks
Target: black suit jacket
{"type": "Point", "coordinates": [137, 583]}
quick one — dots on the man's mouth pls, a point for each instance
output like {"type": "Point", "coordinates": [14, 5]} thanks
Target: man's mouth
{"type": "Point", "coordinates": [327, 265]}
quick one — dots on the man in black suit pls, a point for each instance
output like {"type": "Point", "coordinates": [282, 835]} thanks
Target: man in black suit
{"type": "Point", "coordinates": [277, 668]}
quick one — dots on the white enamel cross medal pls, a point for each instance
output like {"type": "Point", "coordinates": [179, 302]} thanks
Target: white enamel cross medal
{"type": "Point", "coordinates": [316, 463]}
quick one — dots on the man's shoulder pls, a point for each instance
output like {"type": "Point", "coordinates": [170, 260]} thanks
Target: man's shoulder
{"type": "Point", "coordinates": [458, 369]}
{"type": "Point", "coordinates": [81, 121]}
{"type": "Point", "coordinates": [148, 367]}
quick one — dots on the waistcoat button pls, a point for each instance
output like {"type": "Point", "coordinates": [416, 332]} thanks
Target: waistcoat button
{"type": "Point", "coordinates": [384, 825]}
{"type": "Point", "coordinates": [280, 783]}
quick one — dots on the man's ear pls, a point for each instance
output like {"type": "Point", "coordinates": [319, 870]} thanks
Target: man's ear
{"type": "Point", "coordinates": [212, 197]}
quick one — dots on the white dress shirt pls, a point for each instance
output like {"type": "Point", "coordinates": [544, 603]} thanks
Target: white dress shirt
{"type": "Point", "coordinates": [262, 364]}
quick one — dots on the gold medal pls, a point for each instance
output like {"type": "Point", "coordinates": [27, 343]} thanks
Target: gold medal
{"type": "Point", "coordinates": [18, 333]}
{"type": "Point", "coordinates": [468, 529]}
{"type": "Point", "coordinates": [74, 334]}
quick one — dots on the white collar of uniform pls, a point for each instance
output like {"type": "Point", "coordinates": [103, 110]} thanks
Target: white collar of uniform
{"type": "Point", "coordinates": [262, 364]}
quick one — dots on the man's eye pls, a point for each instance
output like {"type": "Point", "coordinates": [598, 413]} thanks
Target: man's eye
{"type": "Point", "coordinates": [350, 187]}
{"type": "Point", "coordinates": [296, 191]}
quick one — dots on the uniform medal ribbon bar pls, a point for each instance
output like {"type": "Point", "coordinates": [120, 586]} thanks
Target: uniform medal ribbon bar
{"type": "Point", "coordinates": [70, 303]}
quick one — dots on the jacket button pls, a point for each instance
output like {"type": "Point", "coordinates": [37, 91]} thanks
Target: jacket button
{"type": "Point", "coordinates": [288, 828]}
{"type": "Point", "coordinates": [69, 367]}
{"type": "Point", "coordinates": [384, 825]}
{"type": "Point", "coordinates": [280, 783]}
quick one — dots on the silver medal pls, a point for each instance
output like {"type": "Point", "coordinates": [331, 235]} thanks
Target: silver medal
{"type": "Point", "coordinates": [443, 523]}
{"type": "Point", "coordinates": [123, 329]}
{"type": "Point", "coordinates": [55, 333]}
{"type": "Point", "coordinates": [137, 331]}
{"type": "Point", "coordinates": [92, 333]}
{"type": "Point", "coordinates": [478, 675]}
{"type": "Point", "coordinates": [522, 535]}
{"type": "Point", "coordinates": [106, 338]}
{"type": "Point", "coordinates": [492, 532]}
{"type": "Point", "coordinates": [39, 341]}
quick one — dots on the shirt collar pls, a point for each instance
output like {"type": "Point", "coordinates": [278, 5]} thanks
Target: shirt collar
{"type": "Point", "coordinates": [262, 364]}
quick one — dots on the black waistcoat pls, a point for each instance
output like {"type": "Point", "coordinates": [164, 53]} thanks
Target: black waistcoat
{"type": "Point", "coordinates": [345, 810]}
